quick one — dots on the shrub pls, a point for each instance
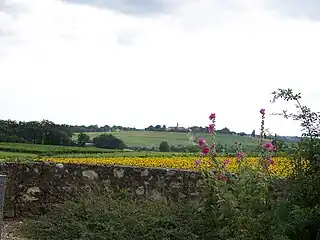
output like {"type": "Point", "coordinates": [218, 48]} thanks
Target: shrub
{"type": "Point", "coordinates": [108, 141]}
{"type": "Point", "coordinates": [83, 139]}
{"type": "Point", "coordinates": [253, 205]}
{"type": "Point", "coordinates": [164, 147]}
{"type": "Point", "coordinates": [305, 187]}
{"type": "Point", "coordinates": [114, 216]}
{"type": "Point", "coordinates": [236, 206]}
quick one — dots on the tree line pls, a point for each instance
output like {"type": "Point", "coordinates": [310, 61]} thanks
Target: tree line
{"type": "Point", "coordinates": [35, 130]}
{"type": "Point", "coordinates": [153, 128]}
{"type": "Point", "coordinates": [48, 133]}
{"type": "Point", "coordinates": [96, 128]}
{"type": "Point", "coordinates": [195, 129]}
{"type": "Point", "coordinates": [44, 132]}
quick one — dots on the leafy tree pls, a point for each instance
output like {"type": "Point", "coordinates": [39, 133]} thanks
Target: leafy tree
{"type": "Point", "coordinates": [303, 189]}
{"type": "Point", "coordinates": [108, 141]}
{"type": "Point", "coordinates": [280, 144]}
{"type": "Point", "coordinates": [164, 147]}
{"type": "Point", "coordinates": [306, 157]}
{"type": "Point", "coordinates": [83, 139]}
{"type": "Point", "coordinates": [253, 134]}
{"type": "Point", "coordinates": [44, 132]}
{"type": "Point", "coordinates": [158, 128]}
{"type": "Point", "coordinates": [224, 130]}
{"type": "Point", "coordinates": [150, 128]}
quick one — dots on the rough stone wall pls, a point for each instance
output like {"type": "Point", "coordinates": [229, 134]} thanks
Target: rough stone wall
{"type": "Point", "coordinates": [32, 188]}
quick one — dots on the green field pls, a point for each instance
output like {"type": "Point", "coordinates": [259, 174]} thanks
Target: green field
{"type": "Point", "coordinates": [34, 152]}
{"type": "Point", "coordinates": [149, 139]}
{"type": "Point", "coordinates": [48, 149]}
{"type": "Point", "coordinates": [16, 155]}
{"type": "Point", "coordinates": [132, 139]}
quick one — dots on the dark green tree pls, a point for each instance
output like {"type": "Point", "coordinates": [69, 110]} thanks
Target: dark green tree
{"type": "Point", "coordinates": [253, 134]}
{"type": "Point", "coordinates": [44, 132]}
{"type": "Point", "coordinates": [108, 141]}
{"type": "Point", "coordinates": [83, 139]}
{"type": "Point", "coordinates": [164, 146]}
{"type": "Point", "coordinates": [158, 128]}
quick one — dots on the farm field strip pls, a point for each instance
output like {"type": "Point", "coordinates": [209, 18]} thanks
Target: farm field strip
{"type": "Point", "coordinates": [16, 154]}
{"type": "Point", "coordinates": [154, 154]}
{"type": "Point", "coordinates": [281, 165]}
{"type": "Point", "coordinates": [149, 138]}
{"type": "Point", "coordinates": [39, 148]}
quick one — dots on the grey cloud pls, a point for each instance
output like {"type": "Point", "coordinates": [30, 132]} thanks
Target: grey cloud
{"type": "Point", "coordinates": [132, 7]}
{"type": "Point", "coordinates": [297, 8]}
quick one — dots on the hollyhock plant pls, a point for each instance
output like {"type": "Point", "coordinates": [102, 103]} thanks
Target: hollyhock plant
{"type": "Point", "coordinates": [197, 162]}
{"type": "Point", "coordinates": [212, 116]}
{"type": "Point", "coordinates": [266, 148]}
{"type": "Point", "coordinates": [214, 153]}
{"type": "Point", "coordinates": [269, 146]}
{"type": "Point", "coordinates": [237, 188]}
{"type": "Point", "coordinates": [240, 156]}
{"type": "Point", "coordinates": [270, 161]}
{"type": "Point", "coordinates": [211, 128]}
{"type": "Point", "coordinates": [202, 142]}
{"type": "Point", "coordinates": [206, 150]}
{"type": "Point", "coordinates": [219, 167]}
{"type": "Point", "coordinates": [222, 167]}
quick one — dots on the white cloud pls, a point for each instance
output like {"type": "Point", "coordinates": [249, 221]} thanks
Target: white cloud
{"type": "Point", "coordinates": [79, 64]}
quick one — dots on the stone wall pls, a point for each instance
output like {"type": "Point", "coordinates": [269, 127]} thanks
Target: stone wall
{"type": "Point", "coordinates": [32, 188]}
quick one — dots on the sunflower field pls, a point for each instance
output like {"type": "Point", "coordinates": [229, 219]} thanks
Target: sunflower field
{"type": "Point", "coordinates": [281, 166]}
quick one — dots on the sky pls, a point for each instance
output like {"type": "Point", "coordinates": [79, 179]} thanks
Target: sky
{"type": "Point", "coordinates": [145, 62]}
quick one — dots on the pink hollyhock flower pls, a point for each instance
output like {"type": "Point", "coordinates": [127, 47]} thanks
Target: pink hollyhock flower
{"type": "Point", "coordinates": [202, 141]}
{"type": "Point", "coordinates": [206, 150]}
{"type": "Point", "coordinates": [270, 161]}
{"type": "Point", "coordinates": [211, 128]}
{"type": "Point", "coordinates": [197, 162]}
{"type": "Point", "coordinates": [262, 111]}
{"type": "Point", "coordinates": [227, 162]}
{"type": "Point", "coordinates": [212, 116]}
{"type": "Point", "coordinates": [239, 156]}
{"type": "Point", "coordinates": [269, 146]}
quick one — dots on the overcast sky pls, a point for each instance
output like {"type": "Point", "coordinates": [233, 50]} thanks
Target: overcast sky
{"type": "Point", "coordinates": [142, 62]}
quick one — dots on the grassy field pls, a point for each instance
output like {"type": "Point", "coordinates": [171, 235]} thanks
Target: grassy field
{"type": "Point", "coordinates": [134, 138]}
{"type": "Point", "coordinates": [16, 154]}
{"type": "Point", "coordinates": [48, 149]}
{"type": "Point", "coordinates": [147, 138]}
